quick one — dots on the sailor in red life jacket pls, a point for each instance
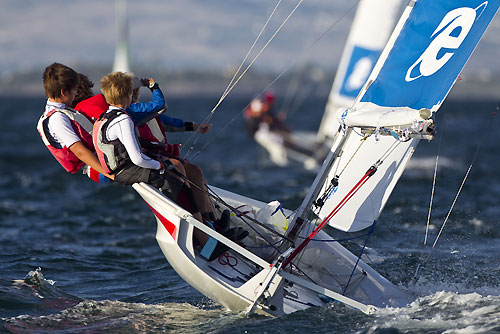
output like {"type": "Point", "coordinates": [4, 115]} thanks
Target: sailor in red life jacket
{"type": "Point", "coordinates": [151, 130]}
{"type": "Point", "coordinates": [66, 132]}
{"type": "Point", "coordinates": [120, 154]}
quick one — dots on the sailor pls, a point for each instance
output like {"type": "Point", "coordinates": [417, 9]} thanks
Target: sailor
{"type": "Point", "coordinates": [153, 131]}
{"type": "Point", "coordinates": [120, 154]}
{"type": "Point", "coordinates": [66, 132]}
{"type": "Point", "coordinates": [84, 90]}
{"type": "Point", "coordinates": [260, 113]}
{"type": "Point", "coordinates": [153, 140]}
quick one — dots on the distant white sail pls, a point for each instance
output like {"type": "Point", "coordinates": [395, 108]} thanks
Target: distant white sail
{"type": "Point", "coordinates": [370, 30]}
{"type": "Point", "coordinates": [122, 58]}
{"type": "Point", "coordinates": [421, 62]}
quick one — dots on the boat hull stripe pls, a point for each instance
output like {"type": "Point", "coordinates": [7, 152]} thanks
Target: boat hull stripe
{"type": "Point", "coordinates": [169, 226]}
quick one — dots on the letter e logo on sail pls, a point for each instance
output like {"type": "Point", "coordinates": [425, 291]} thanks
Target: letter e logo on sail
{"type": "Point", "coordinates": [448, 37]}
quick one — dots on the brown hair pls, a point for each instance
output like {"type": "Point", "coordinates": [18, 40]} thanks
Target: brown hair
{"type": "Point", "coordinates": [84, 89]}
{"type": "Point", "coordinates": [57, 77]}
{"type": "Point", "coordinates": [116, 86]}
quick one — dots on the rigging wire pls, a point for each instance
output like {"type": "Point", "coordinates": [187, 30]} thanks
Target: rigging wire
{"type": "Point", "coordinates": [359, 256]}
{"type": "Point", "coordinates": [432, 192]}
{"type": "Point", "coordinates": [234, 81]}
{"type": "Point", "coordinates": [363, 140]}
{"type": "Point", "coordinates": [371, 171]}
{"type": "Point", "coordinates": [281, 74]}
{"type": "Point", "coordinates": [226, 91]}
{"type": "Point", "coordinates": [483, 139]}
{"type": "Point", "coordinates": [466, 176]}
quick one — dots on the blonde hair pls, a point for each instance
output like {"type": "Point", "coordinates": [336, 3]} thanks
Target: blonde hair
{"type": "Point", "coordinates": [116, 87]}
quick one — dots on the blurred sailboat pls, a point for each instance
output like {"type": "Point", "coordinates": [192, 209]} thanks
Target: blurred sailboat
{"type": "Point", "coordinates": [372, 25]}
{"type": "Point", "coordinates": [122, 57]}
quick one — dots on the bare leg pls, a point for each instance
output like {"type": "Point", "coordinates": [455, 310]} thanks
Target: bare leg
{"type": "Point", "coordinates": [199, 236]}
{"type": "Point", "coordinates": [200, 191]}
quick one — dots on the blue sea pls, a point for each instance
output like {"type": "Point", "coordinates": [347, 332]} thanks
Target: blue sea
{"type": "Point", "coordinates": [77, 257]}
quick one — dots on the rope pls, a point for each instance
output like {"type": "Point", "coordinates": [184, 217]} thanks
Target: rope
{"type": "Point", "coordinates": [234, 82]}
{"type": "Point", "coordinates": [215, 196]}
{"type": "Point", "coordinates": [359, 256]}
{"type": "Point", "coordinates": [432, 192]}
{"type": "Point", "coordinates": [487, 133]}
{"type": "Point", "coordinates": [282, 73]}
{"type": "Point", "coordinates": [363, 140]}
{"type": "Point", "coordinates": [465, 178]}
{"type": "Point", "coordinates": [452, 205]}
{"type": "Point", "coordinates": [347, 197]}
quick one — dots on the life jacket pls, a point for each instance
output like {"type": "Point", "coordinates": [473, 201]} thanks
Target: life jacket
{"type": "Point", "coordinates": [83, 129]}
{"type": "Point", "coordinates": [152, 131]}
{"type": "Point", "coordinates": [111, 153]}
{"type": "Point", "coordinates": [93, 107]}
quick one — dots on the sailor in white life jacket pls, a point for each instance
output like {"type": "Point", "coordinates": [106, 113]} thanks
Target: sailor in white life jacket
{"type": "Point", "coordinates": [120, 154]}
{"type": "Point", "coordinates": [66, 132]}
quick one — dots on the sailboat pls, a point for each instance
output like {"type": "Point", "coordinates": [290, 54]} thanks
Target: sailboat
{"type": "Point", "coordinates": [288, 263]}
{"type": "Point", "coordinates": [372, 25]}
{"type": "Point", "coordinates": [122, 57]}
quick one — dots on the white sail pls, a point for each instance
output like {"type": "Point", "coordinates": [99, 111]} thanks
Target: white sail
{"type": "Point", "coordinates": [122, 58]}
{"type": "Point", "coordinates": [424, 56]}
{"type": "Point", "coordinates": [370, 30]}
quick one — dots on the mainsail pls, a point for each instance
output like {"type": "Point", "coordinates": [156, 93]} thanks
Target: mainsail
{"type": "Point", "coordinates": [370, 30]}
{"type": "Point", "coordinates": [422, 60]}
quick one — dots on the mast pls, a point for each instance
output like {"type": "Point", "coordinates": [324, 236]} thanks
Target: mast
{"type": "Point", "coordinates": [122, 58]}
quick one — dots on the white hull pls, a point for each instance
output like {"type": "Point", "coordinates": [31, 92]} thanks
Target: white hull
{"type": "Point", "coordinates": [296, 148]}
{"type": "Point", "coordinates": [250, 281]}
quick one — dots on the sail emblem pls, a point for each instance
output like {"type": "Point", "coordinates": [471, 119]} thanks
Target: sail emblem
{"type": "Point", "coordinates": [459, 21]}
{"type": "Point", "coordinates": [359, 75]}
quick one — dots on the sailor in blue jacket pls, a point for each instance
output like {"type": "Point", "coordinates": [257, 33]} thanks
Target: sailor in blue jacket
{"type": "Point", "coordinates": [138, 111]}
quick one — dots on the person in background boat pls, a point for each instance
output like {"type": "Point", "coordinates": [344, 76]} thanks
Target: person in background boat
{"type": "Point", "coordinates": [260, 113]}
{"type": "Point", "coordinates": [65, 131]}
{"type": "Point", "coordinates": [120, 154]}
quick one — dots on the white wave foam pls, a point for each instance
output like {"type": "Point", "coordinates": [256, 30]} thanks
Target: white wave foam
{"type": "Point", "coordinates": [448, 312]}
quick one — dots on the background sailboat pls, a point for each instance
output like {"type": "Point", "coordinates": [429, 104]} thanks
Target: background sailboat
{"type": "Point", "coordinates": [370, 30]}
{"type": "Point", "coordinates": [122, 56]}
{"type": "Point", "coordinates": [372, 25]}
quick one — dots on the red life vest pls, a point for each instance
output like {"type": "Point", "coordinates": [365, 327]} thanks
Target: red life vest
{"type": "Point", "coordinates": [153, 132]}
{"type": "Point", "coordinates": [112, 154]}
{"type": "Point", "coordinates": [93, 107]}
{"type": "Point", "coordinates": [83, 129]}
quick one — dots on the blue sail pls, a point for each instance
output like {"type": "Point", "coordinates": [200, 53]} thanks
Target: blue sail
{"type": "Point", "coordinates": [429, 53]}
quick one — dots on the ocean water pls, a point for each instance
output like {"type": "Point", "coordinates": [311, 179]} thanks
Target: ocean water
{"type": "Point", "coordinates": [76, 257]}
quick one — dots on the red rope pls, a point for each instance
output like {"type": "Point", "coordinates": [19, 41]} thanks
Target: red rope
{"type": "Point", "coordinates": [318, 228]}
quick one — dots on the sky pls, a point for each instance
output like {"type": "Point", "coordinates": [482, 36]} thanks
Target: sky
{"type": "Point", "coordinates": [181, 34]}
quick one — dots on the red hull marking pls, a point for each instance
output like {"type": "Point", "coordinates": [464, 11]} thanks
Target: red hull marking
{"type": "Point", "coordinates": [169, 226]}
